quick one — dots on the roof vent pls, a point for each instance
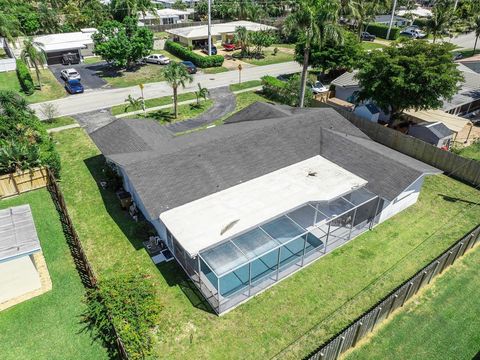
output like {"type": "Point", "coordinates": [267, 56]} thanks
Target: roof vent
{"type": "Point", "coordinates": [312, 173]}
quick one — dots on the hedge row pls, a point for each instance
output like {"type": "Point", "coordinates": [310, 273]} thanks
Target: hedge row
{"type": "Point", "coordinates": [381, 31]}
{"type": "Point", "coordinates": [201, 61]}
{"type": "Point", "coordinates": [25, 78]}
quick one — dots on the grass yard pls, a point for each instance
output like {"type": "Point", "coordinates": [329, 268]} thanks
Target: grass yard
{"type": "Point", "coordinates": [471, 152]}
{"type": "Point", "coordinates": [308, 307]}
{"type": "Point", "coordinates": [60, 121]}
{"type": "Point", "coordinates": [92, 59]}
{"type": "Point", "coordinates": [467, 52]}
{"type": "Point", "coordinates": [441, 324]}
{"type": "Point", "coordinates": [367, 45]}
{"type": "Point", "coordinates": [164, 100]}
{"type": "Point", "coordinates": [144, 74]}
{"type": "Point", "coordinates": [270, 58]}
{"type": "Point", "coordinates": [187, 111]}
{"type": "Point", "coordinates": [47, 326]}
{"type": "Point", "coordinates": [245, 85]}
{"type": "Point", "coordinates": [51, 88]}
{"type": "Point", "coordinates": [214, 70]}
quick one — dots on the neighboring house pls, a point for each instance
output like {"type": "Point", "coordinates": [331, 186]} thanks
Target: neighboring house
{"type": "Point", "coordinates": [54, 46]}
{"type": "Point", "coordinates": [368, 111]}
{"type": "Point", "coordinates": [168, 4]}
{"type": "Point", "coordinates": [198, 35]}
{"type": "Point", "coordinates": [7, 61]}
{"type": "Point", "coordinates": [398, 21]}
{"type": "Point", "coordinates": [243, 205]}
{"type": "Point", "coordinates": [164, 17]}
{"type": "Point", "coordinates": [436, 134]}
{"type": "Point", "coordinates": [417, 12]}
{"type": "Point", "coordinates": [23, 273]}
{"type": "Point", "coordinates": [467, 99]}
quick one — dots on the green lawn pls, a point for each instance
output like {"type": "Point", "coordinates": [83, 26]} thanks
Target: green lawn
{"type": "Point", "coordinates": [471, 152]}
{"type": "Point", "coordinates": [317, 301]}
{"type": "Point", "coordinates": [367, 45]}
{"type": "Point", "coordinates": [48, 326]}
{"type": "Point", "coordinates": [214, 70]}
{"type": "Point", "coordinates": [245, 85]}
{"type": "Point", "coordinates": [187, 111]}
{"type": "Point", "coordinates": [92, 59]}
{"type": "Point", "coordinates": [442, 323]}
{"type": "Point", "coordinates": [142, 75]}
{"type": "Point", "coordinates": [467, 52]}
{"type": "Point", "coordinates": [51, 88]}
{"type": "Point", "coordinates": [61, 121]}
{"type": "Point", "coordinates": [270, 58]}
{"type": "Point", "coordinates": [164, 100]}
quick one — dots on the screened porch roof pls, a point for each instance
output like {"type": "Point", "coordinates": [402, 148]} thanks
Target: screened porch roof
{"type": "Point", "coordinates": [205, 222]}
{"type": "Point", "coordinates": [251, 245]}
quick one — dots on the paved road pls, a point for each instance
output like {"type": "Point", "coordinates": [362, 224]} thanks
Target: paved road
{"type": "Point", "coordinates": [463, 41]}
{"type": "Point", "coordinates": [106, 98]}
{"type": "Point", "coordinates": [223, 104]}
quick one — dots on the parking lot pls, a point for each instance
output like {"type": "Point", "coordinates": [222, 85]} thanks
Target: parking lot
{"type": "Point", "coordinates": [88, 73]}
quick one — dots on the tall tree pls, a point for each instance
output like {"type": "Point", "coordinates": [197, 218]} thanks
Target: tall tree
{"type": "Point", "coordinates": [411, 75]}
{"type": "Point", "coordinates": [9, 26]}
{"type": "Point", "coordinates": [35, 57]}
{"type": "Point", "coordinates": [176, 75]}
{"type": "Point", "coordinates": [442, 17]}
{"type": "Point", "coordinates": [318, 21]}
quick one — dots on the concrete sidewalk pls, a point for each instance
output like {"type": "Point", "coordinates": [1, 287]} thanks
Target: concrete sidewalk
{"type": "Point", "coordinates": [103, 99]}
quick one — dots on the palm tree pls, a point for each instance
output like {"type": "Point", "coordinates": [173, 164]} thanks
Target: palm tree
{"type": "Point", "coordinates": [176, 75]}
{"type": "Point", "coordinates": [241, 38]}
{"type": "Point", "coordinates": [31, 55]}
{"type": "Point", "coordinates": [366, 12]}
{"type": "Point", "coordinates": [135, 103]}
{"type": "Point", "coordinates": [9, 27]}
{"type": "Point", "coordinates": [201, 93]}
{"type": "Point", "coordinates": [146, 6]}
{"type": "Point", "coordinates": [442, 16]}
{"type": "Point", "coordinates": [476, 28]}
{"type": "Point", "coordinates": [318, 20]}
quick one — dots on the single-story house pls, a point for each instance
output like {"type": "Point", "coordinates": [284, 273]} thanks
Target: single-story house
{"type": "Point", "coordinates": [417, 12]}
{"type": "Point", "coordinates": [467, 99]}
{"type": "Point", "coordinates": [168, 4]}
{"type": "Point", "coordinates": [164, 17]}
{"type": "Point", "coordinates": [54, 46]}
{"type": "Point", "coordinates": [368, 111]}
{"type": "Point", "coordinates": [398, 21]}
{"type": "Point", "coordinates": [198, 35]}
{"type": "Point", "coordinates": [23, 272]}
{"type": "Point", "coordinates": [436, 134]}
{"type": "Point", "coordinates": [243, 205]}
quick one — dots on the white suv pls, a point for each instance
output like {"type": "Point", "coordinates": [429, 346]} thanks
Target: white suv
{"type": "Point", "coordinates": [70, 74]}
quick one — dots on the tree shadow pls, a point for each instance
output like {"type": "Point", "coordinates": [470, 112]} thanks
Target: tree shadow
{"type": "Point", "coordinates": [162, 116]}
{"type": "Point", "coordinates": [136, 232]}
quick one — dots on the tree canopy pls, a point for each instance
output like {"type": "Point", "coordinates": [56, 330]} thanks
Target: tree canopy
{"type": "Point", "coordinates": [411, 75]}
{"type": "Point", "coordinates": [124, 43]}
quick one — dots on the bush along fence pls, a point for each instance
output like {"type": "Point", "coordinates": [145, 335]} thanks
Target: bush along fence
{"type": "Point", "coordinates": [186, 54]}
{"type": "Point", "coordinates": [365, 324]}
{"type": "Point", "coordinates": [84, 268]}
{"type": "Point", "coordinates": [454, 165]}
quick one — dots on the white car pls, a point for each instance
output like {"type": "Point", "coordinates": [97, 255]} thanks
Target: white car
{"type": "Point", "coordinates": [70, 74]}
{"type": "Point", "coordinates": [318, 88]}
{"type": "Point", "coordinates": [413, 33]}
{"type": "Point", "coordinates": [157, 59]}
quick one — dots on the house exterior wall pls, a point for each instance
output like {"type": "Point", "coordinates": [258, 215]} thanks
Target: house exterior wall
{"type": "Point", "coordinates": [364, 113]}
{"type": "Point", "coordinates": [407, 198]}
{"type": "Point", "coordinates": [344, 93]}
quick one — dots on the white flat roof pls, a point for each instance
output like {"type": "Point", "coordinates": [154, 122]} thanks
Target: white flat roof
{"type": "Point", "coordinates": [201, 31]}
{"type": "Point", "coordinates": [163, 13]}
{"type": "Point", "coordinates": [65, 41]}
{"type": "Point", "coordinates": [18, 277]}
{"type": "Point", "coordinates": [217, 217]}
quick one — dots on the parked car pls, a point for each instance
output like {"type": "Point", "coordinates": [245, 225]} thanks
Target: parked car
{"type": "Point", "coordinates": [70, 74]}
{"type": "Point", "coordinates": [457, 56]}
{"type": "Point", "coordinates": [191, 68]}
{"type": "Point", "coordinates": [70, 58]}
{"type": "Point", "coordinates": [413, 33]}
{"type": "Point", "coordinates": [318, 88]}
{"type": "Point", "coordinates": [157, 59]}
{"type": "Point", "coordinates": [74, 86]}
{"type": "Point", "coordinates": [205, 49]}
{"type": "Point", "coordinates": [366, 36]}
{"type": "Point", "coordinates": [229, 46]}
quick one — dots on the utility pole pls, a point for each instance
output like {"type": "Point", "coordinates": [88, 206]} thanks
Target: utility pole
{"type": "Point", "coordinates": [455, 6]}
{"type": "Point", "coordinates": [391, 19]}
{"type": "Point", "coordinates": [209, 26]}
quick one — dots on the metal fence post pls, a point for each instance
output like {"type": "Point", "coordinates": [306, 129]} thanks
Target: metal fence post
{"type": "Point", "coordinates": [357, 333]}
{"type": "Point", "coordinates": [410, 285]}
{"type": "Point", "coordinates": [391, 306]}
{"type": "Point", "coordinates": [337, 353]}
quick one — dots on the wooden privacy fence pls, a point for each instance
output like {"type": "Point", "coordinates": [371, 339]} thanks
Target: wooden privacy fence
{"type": "Point", "coordinates": [84, 268]}
{"type": "Point", "coordinates": [454, 165]}
{"type": "Point", "coordinates": [365, 324]}
{"type": "Point", "coordinates": [20, 182]}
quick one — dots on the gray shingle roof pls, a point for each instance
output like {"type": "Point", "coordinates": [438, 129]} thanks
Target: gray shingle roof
{"type": "Point", "coordinates": [18, 235]}
{"type": "Point", "coordinates": [185, 168]}
{"type": "Point", "coordinates": [346, 79]}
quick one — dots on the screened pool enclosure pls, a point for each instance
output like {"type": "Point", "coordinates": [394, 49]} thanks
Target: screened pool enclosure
{"type": "Point", "coordinates": [232, 271]}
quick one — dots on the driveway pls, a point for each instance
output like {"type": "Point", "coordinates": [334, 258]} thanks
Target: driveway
{"type": "Point", "coordinates": [88, 73]}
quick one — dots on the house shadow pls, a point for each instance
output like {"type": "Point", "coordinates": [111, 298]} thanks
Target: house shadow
{"type": "Point", "coordinates": [137, 232]}
{"type": "Point", "coordinates": [176, 276]}
{"type": "Point", "coordinates": [456, 199]}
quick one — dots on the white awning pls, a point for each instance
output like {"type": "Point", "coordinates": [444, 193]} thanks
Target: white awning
{"type": "Point", "coordinates": [207, 221]}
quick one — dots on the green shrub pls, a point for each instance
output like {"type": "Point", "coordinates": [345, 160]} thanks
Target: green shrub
{"type": "Point", "coordinates": [381, 31]}
{"type": "Point", "coordinates": [186, 54]}
{"type": "Point", "coordinates": [129, 302]}
{"type": "Point", "coordinates": [421, 22]}
{"type": "Point", "coordinates": [25, 78]}
{"type": "Point", "coordinates": [285, 92]}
